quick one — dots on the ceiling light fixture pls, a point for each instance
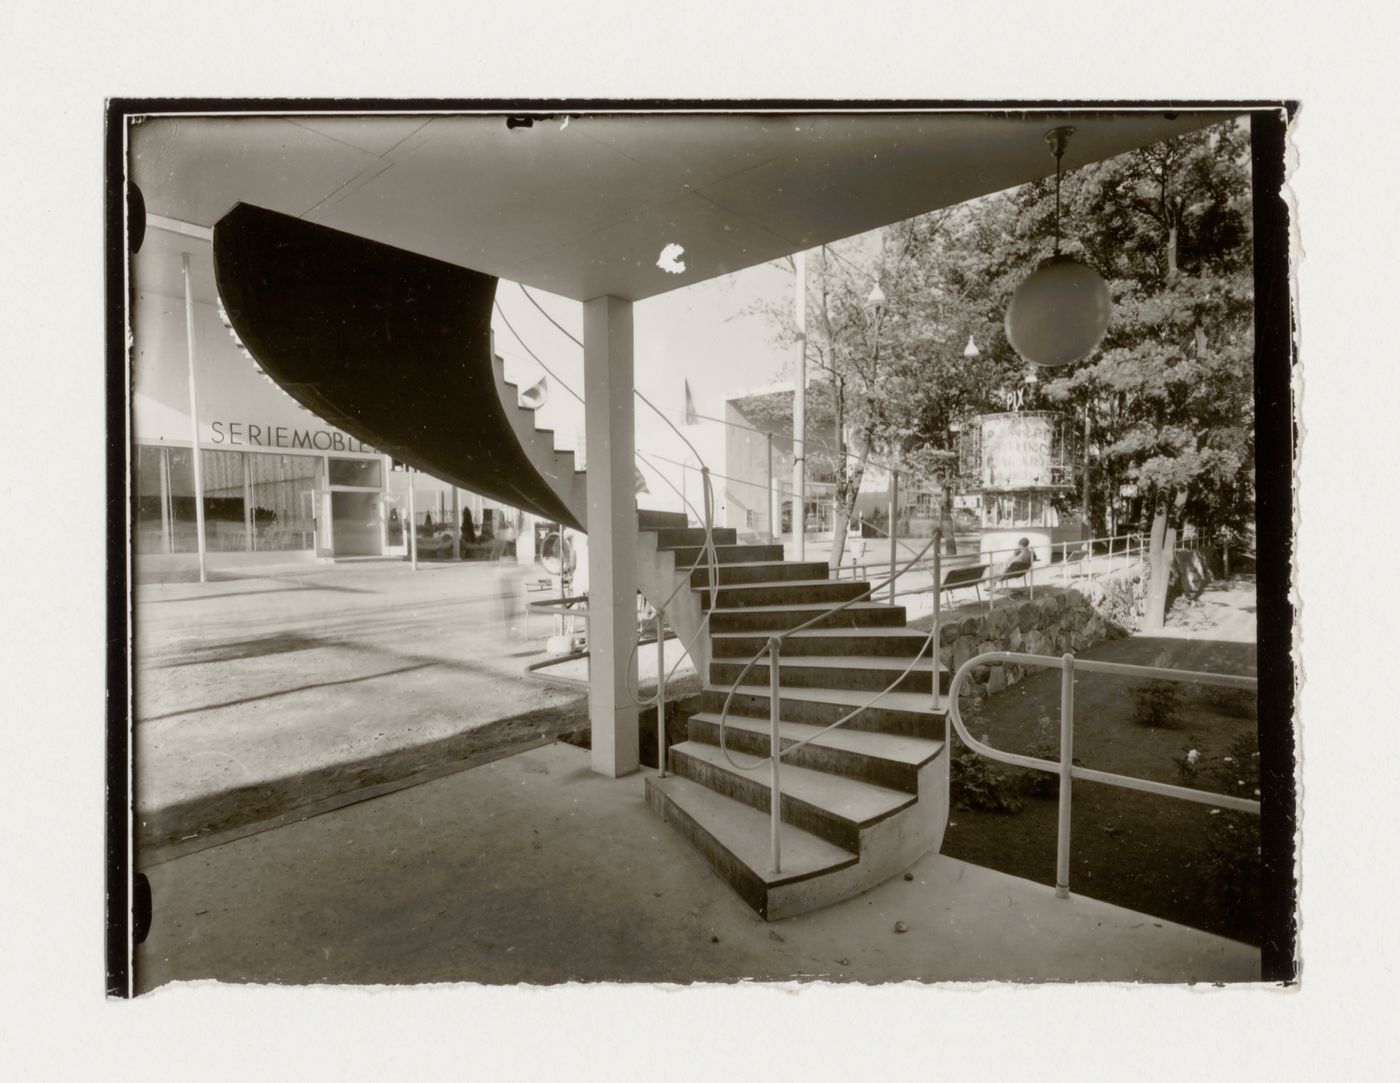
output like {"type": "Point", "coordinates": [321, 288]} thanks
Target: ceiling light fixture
{"type": "Point", "coordinates": [1060, 313]}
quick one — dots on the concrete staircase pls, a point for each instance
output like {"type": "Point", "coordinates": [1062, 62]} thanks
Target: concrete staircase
{"type": "Point", "coordinates": [859, 804]}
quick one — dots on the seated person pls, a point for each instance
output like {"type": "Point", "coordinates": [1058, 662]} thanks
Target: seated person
{"type": "Point", "coordinates": [1020, 561]}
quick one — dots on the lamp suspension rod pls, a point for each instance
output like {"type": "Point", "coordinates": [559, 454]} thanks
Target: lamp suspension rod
{"type": "Point", "coordinates": [1059, 157]}
{"type": "Point", "coordinates": [1058, 138]}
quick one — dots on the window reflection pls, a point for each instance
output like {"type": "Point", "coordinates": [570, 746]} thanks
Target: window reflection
{"type": "Point", "coordinates": [251, 501]}
{"type": "Point", "coordinates": [283, 491]}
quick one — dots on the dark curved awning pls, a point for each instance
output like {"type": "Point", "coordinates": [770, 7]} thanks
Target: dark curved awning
{"type": "Point", "coordinates": [392, 347]}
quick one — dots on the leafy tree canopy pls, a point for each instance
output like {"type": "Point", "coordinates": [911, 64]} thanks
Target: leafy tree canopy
{"type": "Point", "coordinates": [1167, 396]}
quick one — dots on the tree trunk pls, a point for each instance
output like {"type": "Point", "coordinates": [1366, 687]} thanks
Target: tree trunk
{"type": "Point", "coordinates": [947, 524]}
{"type": "Point", "coordinates": [1159, 562]}
{"type": "Point", "coordinates": [845, 509]}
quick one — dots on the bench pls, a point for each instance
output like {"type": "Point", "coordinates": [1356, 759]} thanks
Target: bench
{"type": "Point", "coordinates": [969, 575]}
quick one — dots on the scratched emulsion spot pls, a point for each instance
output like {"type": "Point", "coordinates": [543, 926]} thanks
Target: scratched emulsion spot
{"type": "Point", "coordinates": [670, 259]}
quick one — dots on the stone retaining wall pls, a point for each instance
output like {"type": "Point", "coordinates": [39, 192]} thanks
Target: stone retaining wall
{"type": "Point", "coordinates": [1057, 621]}
{"type": "Point", "coordinates": [1054, 622]}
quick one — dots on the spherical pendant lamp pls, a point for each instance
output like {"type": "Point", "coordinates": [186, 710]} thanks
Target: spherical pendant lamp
{"type": "Point", "coordinates": [1060, 313]}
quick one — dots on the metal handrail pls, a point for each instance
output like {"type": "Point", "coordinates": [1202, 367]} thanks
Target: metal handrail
{"type": "Point", "coordinates": [1065, 766]}
{"type": "Point", "coordinates": [1028, 573]}
{"type": "Point", "coordinates": [773, 648]}
{"type": "Point", "coordinates": [707, 553]}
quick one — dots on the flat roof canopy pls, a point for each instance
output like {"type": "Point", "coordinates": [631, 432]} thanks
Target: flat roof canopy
{"type": "Point", "coordinates": [584, 208]}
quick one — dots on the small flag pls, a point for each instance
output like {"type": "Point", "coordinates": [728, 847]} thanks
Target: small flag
{"type": "Point", "coordinates": [691, 417]}
{"type": "Point", "coordinates": [639, 481]}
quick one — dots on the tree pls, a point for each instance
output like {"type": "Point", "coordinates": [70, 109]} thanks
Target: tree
{"type": "Point", "coordinates": [894, 377]}
{"type": "Point", "coordinates": [1166, 400]}
{"type": "Point", "coordinates": [1170, 390]}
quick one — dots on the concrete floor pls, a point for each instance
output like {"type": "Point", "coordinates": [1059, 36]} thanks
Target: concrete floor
{"type": "Point", "coordinates": [532, 869]}
{"type": "Point", "coordinates": [255, 691]}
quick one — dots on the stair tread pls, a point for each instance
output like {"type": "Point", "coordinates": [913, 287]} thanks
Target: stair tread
{"type": "Point", "coordinates": [794, 607]}
{"type": "Point", "coordinates": [847, 697]}
{"type": "Point", "coordinates": [845, 661]}
{"type": "Point", "coordinates": [895, 747]}
{"type": "Point", "coordinates": [701, 545]}
{"type": "Point", "coordinates": [828, 633]}
{"type": "Point", "coordinates": [773, 584]}
{"type": "Point", "coordinates": [849, 798]}
{"type": "Point", "coordinates": [744, 832]}
{"type": "Point", "coordinates": [768, 563]}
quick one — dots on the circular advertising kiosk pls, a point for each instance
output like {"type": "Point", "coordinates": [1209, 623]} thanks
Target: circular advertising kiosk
{"type": "Point", "coordinates": [1022, 462]}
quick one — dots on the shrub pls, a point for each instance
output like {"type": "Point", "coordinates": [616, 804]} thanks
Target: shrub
{"type": "Point", "coordinates": [977, 784]}
{"type": "Point", "coordinates": [1045, 746]}
{"type": "Point", "coordinates": [1232, 839]}
{"type": "Point", "coordinates": [1235, 702]}
{"type": "Point", "coordinates": [1234, 860]}
{"type": "Point", "coordinates": [1155, 703]}
{"type": "Point", "coordinates": [1119, 602]}
{"type": "Point", "coordinates": [1188, 764]}
{"type": "Point", "coordinates": [1237, 772]}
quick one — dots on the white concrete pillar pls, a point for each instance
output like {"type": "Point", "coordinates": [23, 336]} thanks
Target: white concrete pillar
{"type": "Point", "coordinates": [612, 534]}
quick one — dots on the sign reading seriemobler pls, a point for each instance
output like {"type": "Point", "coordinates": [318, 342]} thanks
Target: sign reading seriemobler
{"type": "Point", "coordinates": [234, 434]}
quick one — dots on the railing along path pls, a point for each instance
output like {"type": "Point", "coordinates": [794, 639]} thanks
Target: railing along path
{"type": "Point", "coordinates": [1065, 767]}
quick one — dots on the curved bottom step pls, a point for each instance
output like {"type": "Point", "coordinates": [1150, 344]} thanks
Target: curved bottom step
{"type": "Point", "coordinates": [734, 839]}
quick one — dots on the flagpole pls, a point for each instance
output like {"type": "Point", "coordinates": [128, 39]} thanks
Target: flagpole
{"type": "Point", "coordinates": [194, 419]}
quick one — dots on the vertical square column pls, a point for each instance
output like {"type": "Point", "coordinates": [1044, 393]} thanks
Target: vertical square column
{"type": "Point", "coordinates": [612, 534]}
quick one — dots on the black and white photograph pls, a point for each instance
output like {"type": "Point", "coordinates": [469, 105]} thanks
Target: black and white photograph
{"type": "Point", "coordinates": [649, 545]}
{"type": "Point", "coordinates": [767, 541]}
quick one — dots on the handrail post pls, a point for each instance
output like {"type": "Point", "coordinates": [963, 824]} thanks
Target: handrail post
{"type": "Point", "coordinates": [1066, 769]}
{"type": "Point", "coordinates": [937, 601]}
{"type": "Point", "coordinates": [661, 694]}
{"type": "Point", "coordinates": [775, 647]}
{"type": "Point", "coordinates": [894, 513]}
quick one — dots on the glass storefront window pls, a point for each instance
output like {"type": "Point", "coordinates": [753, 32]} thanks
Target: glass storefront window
{"type": "Point", "coordinates": [1017, 509]}
{"type": "Point", "coordinates": [362, 473]}
{"type": "Point", "coordinates": [180, 487]}
{"type": "Point", "coordinates": [251, 500]}
{"type": "Point", "coordinates": [151, 530]}
{"type": "Point", "coordinates": [284, 496]}
{"type": "Point", "coordinates": [225, 517]}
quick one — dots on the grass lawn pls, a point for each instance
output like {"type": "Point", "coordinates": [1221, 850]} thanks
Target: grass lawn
{"type": "Point", "coordinates": [1172, 859]}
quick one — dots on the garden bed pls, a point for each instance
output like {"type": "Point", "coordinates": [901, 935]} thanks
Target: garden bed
{"type": "Point", "coordinates": [1176, 860]}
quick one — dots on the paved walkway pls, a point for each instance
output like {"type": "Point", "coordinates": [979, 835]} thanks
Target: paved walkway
{"type": "Point", "coordinates": [533, 869]}
{"type": "Point", "coordinates": [257, 693]}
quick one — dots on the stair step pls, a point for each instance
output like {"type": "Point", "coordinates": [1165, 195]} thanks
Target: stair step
{"type": "Point", "coordinates": [651, 519]}
{"type": "Point", "coordinates": [909, 713]}
{"type": "Point", "coordinates": [727, 554]}
{"type": "Point", "coordinates": [799, 591]}
{"type": "Point", "coordinates": [692, 536]}
{"type": "Point", "coordinates": [760, 571]}
{"type": "Point", "coordinates": [888, 642]}
{"type": "Point", "coordinates": [867, 672]}
{"type": "Point", "coordinates": [832, 807]}
{"type": "Point", "coordinates": [886, 759]}
{"type": "Point", "coordinates": [734, 839]}
{"type": "Point", "coordinates": [777, 618]}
